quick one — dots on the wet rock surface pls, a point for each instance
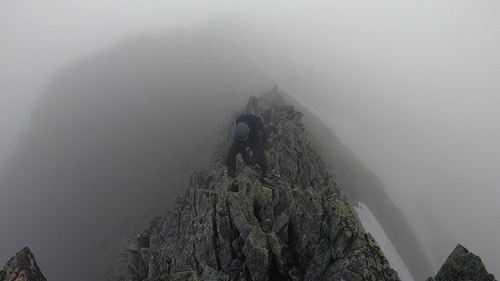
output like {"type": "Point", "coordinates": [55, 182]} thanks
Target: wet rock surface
{"type": "Point", "coordinates": [300, 227]}
{"type": "Point", "coordinates": [463, 265]}
{"type": "Point", "coordinates": [22, 267]}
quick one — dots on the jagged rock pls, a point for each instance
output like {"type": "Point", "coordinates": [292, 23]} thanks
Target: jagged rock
{"type": "Point", "coordinates": [300, 228]}
{"type": "Point", "coordinates": [463, 265]}
{"type": "Point", "coordinates": [22, 267]}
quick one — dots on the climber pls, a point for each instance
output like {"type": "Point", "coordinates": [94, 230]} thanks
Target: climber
{"type": "Point", "coordinates": [249, 133]}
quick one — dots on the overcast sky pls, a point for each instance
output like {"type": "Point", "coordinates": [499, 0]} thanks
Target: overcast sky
{"type": "Point", "coordinates": [412, 87]}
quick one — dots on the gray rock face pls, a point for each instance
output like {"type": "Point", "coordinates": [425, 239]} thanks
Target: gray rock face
{"type": "Point", "coordinates": [22, 267]}
{"type": "Point", "coordinates": [298, 228]}
{"type": "Point", "coordinates": [463, 265]}
{"type": "Point", "coordinates": [361, 185]}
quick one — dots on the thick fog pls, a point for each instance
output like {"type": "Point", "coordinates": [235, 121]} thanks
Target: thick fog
{"type": "Point", "coordinates": [411, 88]}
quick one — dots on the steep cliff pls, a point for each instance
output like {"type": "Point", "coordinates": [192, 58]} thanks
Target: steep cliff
{"type": "Point", "coordinates": [298, 228]}
{"type": "Point", "coordinates": [22, 267]}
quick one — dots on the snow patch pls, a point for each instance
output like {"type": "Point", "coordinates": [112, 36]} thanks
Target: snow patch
{"type": "Point", "coordinates": [372, 226]}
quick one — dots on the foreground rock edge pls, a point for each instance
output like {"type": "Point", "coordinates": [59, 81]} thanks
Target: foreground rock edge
{"type": "Point", "coordinates": [22, 267]}
{"type": "Point", "coordinates": [462, 265]}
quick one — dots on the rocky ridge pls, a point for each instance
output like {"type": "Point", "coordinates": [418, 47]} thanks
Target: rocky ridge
{"type": "Point", "coordinates": [301, 228]}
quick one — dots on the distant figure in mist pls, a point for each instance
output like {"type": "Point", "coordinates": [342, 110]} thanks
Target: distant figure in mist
{"type": "Point", "coordinates": [249, 133]}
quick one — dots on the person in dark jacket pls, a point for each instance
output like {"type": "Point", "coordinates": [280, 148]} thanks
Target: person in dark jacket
{"type": "Point", "coordinates": [249, 133]}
